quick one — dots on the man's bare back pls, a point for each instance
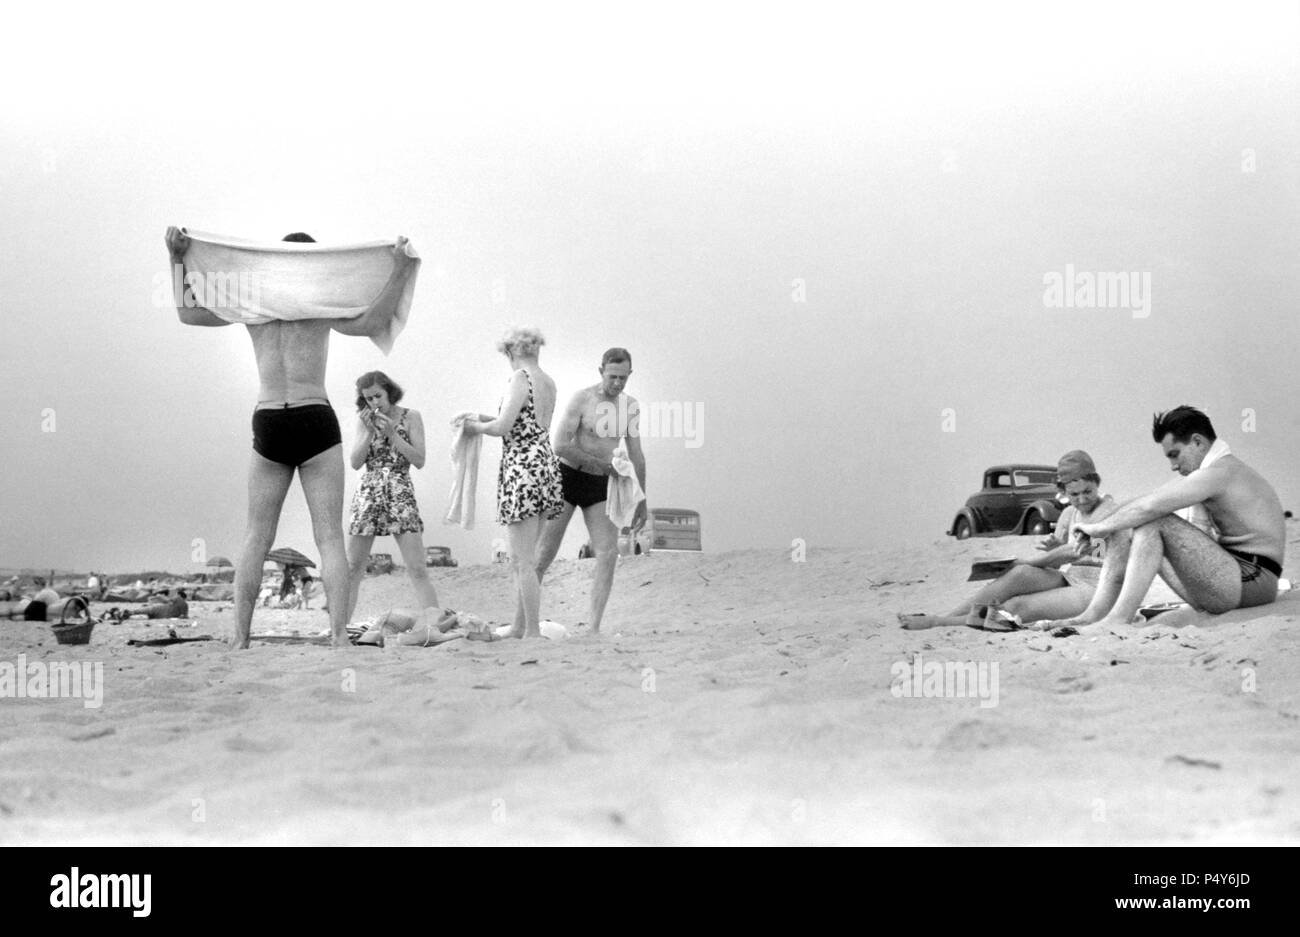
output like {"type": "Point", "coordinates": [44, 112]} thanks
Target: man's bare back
{"type": "Point", "coordinates": [1246, 511]}
{"type": "Point", "coordinates": [291, 359]}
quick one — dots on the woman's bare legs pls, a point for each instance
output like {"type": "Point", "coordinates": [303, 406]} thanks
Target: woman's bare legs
{"type": "Point", "coordinates": [1052, 604]}
{"type": "Point", "coordinates": [358, 555]}
{"type": "Point", "coordinates": [1017, 581]}
{"type": "Point", "coordinates": [412, 546]}
{"type": "Point", "coordinates": [523, 559]}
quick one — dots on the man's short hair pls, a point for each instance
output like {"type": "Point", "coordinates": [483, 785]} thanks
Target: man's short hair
{"type": "Point", "coordinates": [1181, 423]}
{"type": "Point", "coordinates": [377, 379]}
{"type": "Point", "coordinates": [299, 237]}
{"type": "Point", "coordinates": [616, 356]}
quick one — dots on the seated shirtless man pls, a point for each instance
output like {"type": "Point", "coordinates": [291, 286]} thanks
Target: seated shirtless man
{"type": "Point", "coordinates": [294, 428]}
{"type": "Point", "coordinates": [1240, 570]}
{"type": "Point", "coordinates": [1038, 588]}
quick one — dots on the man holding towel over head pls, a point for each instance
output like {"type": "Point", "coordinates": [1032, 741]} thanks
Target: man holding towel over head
{"type": "Point", "coordinates": [1240, 570]}
{"type": "Point", "coordinates": [600, 425]}
{"type": "Point", "coordinates": [303, 293]}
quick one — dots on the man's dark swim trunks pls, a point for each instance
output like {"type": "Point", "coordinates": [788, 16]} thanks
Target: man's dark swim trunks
{"type": "Point", "coordinates": [292, 435]}
{"type": "Point", "coordinates": [582, 488]}
{"type": "Point", "coordinates": [1259, 576]}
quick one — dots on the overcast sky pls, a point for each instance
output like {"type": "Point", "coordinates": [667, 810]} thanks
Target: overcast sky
{"type": "Point", "coordinates": [829, 238]}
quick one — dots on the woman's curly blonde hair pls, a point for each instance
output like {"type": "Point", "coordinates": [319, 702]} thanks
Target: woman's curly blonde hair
{"type": "Point", "coordinates": [521, 342]}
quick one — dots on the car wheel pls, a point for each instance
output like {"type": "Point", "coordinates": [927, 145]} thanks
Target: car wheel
{"type": "Point", "coordinates": [1034, 524]}
{"type": "Point", "coordinates": [963, 529]}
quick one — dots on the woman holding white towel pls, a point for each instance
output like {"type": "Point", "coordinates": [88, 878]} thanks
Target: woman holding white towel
{"type": "Point", "coordinates": [528, 485]}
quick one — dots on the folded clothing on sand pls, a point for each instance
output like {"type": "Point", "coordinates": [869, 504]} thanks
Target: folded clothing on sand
{"type": "Point", "coordinates": [255, 282]}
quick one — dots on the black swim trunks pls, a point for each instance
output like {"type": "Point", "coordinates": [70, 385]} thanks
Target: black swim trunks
{"type": "Point", "coordinates": [1259, 575]}
{"type": "Point", "coordinates": [582, 488]}
{"type": "Point", "coordinates": [293, 435]}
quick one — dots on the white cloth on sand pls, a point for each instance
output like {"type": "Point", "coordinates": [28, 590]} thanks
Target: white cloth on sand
{"type": "Point", "coordinates": [1199, 514]}
{"type": "Point", "coordinates": [256, 282]}
{"type": "Point", "coordinates": [622, 493]}
{"type": "Point", "coordinates": [465, 452]}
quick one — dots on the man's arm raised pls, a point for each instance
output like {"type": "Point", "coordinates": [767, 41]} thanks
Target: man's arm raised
{"type": "Point", "coordinates": [187, 304]}
{"type": "Point", "coordinates": [375, 319]}
{"type": "Point", "coordinates": [1165, 500]}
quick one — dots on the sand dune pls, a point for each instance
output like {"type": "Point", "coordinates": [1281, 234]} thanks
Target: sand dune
{"type": "Point", "coordinates": [736, 698]}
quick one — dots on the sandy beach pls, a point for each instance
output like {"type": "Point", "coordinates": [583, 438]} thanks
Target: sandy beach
{"type": "Point", "coordinates": [738, 698]}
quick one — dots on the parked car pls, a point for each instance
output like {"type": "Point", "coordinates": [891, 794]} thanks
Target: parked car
{"type": "Point", "coordinates": [672, 529]}
{"type": "Point", "coordinates": [675, 529]}
{"type": "Point", "coordinates": [380, 563]}
{"type": "Point", "coordinates": [1016, 499]}
{"type": "Point", "coordinates": [627, 546]}
{"type": "Point", "coordinates": [438, 556]}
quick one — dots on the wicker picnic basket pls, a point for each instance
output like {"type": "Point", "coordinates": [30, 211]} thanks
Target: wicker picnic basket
{"type": "Point", "coordinates": [78, 631]}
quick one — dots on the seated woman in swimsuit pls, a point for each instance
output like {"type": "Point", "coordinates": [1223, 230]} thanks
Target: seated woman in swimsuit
{"type": "Point", "coordinates": [1038, 588]}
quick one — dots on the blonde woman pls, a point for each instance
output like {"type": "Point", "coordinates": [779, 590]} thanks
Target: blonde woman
{"type": "Point", "coordinates": [528, 484]}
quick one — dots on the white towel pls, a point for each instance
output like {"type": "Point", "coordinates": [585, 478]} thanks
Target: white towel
{"type": "Point", "coordinates": [255, 282]}
{"type": "Point", "coordinates": [1199, 514]}
{"type": "Point", "coordinates": [464, 474]}
{"type": "Point", "coordinates": [622, 494]}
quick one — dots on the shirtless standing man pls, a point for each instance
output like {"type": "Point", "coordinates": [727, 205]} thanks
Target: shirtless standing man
{"type": "Point", "coordinates": [294, 427]}
{"type": "Point", "coordinates": [594, 422]}
{"type": "Point", "coordinates": [1239, 571]}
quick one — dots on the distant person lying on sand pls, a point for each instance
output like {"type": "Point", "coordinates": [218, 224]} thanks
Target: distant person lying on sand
{"type": "Point", "coordinates": [1038, 588]}
{"type": "Point", "coordinates": [45, 605]}
{"type": "Point", "coordinates": [1239, 569]}
{"type": "Point", "coordinates": [421, 628]}
{"type": "Point", "coordinates": [175, 607]}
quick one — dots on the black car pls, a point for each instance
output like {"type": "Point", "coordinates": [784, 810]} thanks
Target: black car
{"type": "Point", "coordinates": [1016, 499]}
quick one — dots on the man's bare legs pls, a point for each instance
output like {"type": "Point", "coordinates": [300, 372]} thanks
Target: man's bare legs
{"type": "Point", "coordinates": [523, 559]}
{"type": "Point", "coordinates": [358, 555]}
{"type": "Point", "coordinates": [604, 543]}
{"type": "Point", "coordinates": [268, 483]}
{"type": "Point", "coordinates": [1202, 573]}
{"type": "Point", "coordinates": [548, 547]}
{"type": "Point", "coordinates": [411, 545]}
{"type": "Point", "coordinates": [322, 483]}
{"type": "Point", "coordinates": [1018, 580]}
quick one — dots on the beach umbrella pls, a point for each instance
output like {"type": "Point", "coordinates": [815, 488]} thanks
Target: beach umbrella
{"type": "Point", "coordinates": [289, 557]}
{"type": "Point", "coordinates": [219, 561]}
